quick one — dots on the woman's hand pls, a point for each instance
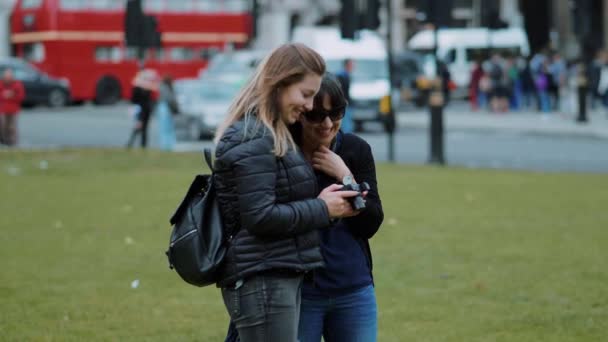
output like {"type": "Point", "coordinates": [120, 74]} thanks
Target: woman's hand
{"type": "Point", "coordinates": [328, 162]}
{"type": "Point", "coordinates": [337, 201]}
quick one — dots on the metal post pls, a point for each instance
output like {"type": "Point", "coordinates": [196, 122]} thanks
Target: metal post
{"type": "Point", "coordinates": [390, 118]}
{"type": "Point", "coordinates": [582, 88]}
{"type": "Point", "coordinates": [436, 102]}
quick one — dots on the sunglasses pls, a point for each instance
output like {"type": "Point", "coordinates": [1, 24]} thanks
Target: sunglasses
{"type": "Point", "coordinates": [319, 115]}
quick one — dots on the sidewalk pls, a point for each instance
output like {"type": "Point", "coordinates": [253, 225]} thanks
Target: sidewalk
{"type": "Point", "coordinates": [555, 123]}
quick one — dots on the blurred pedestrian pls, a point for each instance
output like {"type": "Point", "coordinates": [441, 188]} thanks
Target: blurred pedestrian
{"type": "Point", "coordinates": [144, 84]}
{"type": "Point", "coordinates": [557, 69]}
{"type": "Point", "coordinates": [541, 81]}
{"type": "Point", "coordinates": [594, 74]}
{"type": "Point", "coordinates": [339, 301]}
{"type": "Point", "coordinates": [344, 76]}
{"type": "Point", "coordinates": [12, 94]}
{"type": "Point", "coordinates": [528, 88]}
{"type": "Point", "coordinates": [269, 198]}
{"type": "Point", "coordinates": [499, 98]}
{"type": "Point", "coordinates": [447, 85]}
{"type": "Point", "coordinates": [514, 83]}
{"type": "Point", "coordinates": [165, 108]}
{"type": "Point", "coordinates": [474, 86]}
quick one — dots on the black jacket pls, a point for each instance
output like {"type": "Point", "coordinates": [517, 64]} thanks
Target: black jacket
{"type": "Point", "coordinates": [268, 204]}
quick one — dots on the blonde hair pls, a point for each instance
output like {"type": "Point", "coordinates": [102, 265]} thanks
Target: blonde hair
{"type": "Point", "coordinates": [286, 65]}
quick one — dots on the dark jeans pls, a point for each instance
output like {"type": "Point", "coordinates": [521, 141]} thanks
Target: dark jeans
{"type": "Point", "coordinates": [348, 317]}
{"type": "Point", "coordinates": [141, 128]}
{"type": "Point", "coordinates": [266, 307]}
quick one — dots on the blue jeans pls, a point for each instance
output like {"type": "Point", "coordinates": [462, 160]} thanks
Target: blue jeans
{"type": "Point", "coordinates": [348, 317]}
{"type": "Point", "coordinates": [265, 308]}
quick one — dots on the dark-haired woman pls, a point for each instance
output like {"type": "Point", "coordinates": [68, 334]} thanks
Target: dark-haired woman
{"type": "Point", "coordinates": [339, 301]}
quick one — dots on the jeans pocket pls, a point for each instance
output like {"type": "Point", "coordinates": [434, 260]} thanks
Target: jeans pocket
{"type": "Point", "coordinates": [232, 301]}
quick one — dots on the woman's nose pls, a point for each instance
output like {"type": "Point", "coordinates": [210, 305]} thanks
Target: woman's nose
{"type": "Point", "coordinates": [327, 123]}
{"type": "Point", "coordinates": [308, 105]}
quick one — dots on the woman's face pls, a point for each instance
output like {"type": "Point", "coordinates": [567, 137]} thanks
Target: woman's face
{"type": "Point", "coordinates": [321, 133]}
{"type": "Point", "coordinates": [298, 98]}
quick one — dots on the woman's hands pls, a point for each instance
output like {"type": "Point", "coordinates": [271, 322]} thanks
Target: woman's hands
{"type": "Point", "coordinates": [328, 162]}
{"type": "Point", "coordinates": [337, 201]}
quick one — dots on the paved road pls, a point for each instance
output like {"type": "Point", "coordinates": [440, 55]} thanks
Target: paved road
{"type": "Point", "coordinates": [489, 148]}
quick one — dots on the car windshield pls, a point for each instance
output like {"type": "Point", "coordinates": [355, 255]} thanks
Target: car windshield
{"type": "Point", "coordinates": [226, 64]}
{"type": "Point", "coordinates": [364, 70]}
{"type": "Point", "coordinates": [207, 92]}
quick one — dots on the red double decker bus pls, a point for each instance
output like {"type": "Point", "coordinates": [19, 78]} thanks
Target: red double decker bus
{"type": "Point", "coordinates": [84, 41]}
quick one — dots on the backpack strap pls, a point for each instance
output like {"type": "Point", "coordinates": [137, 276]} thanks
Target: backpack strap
{"type": "Point", "coordinates": [207, 155]}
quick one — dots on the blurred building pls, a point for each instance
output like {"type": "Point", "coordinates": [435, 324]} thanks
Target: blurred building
{"type": "Point", "coordinates": [277, 18]}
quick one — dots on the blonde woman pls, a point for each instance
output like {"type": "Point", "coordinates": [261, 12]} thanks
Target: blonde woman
{"type": "Point", "coordinates": [267, 194]}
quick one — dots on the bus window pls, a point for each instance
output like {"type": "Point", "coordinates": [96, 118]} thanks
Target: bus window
{"type": "Point", "coordinates": [72, 4]}
{"type": "Point", "coordinates": [106, 4]}
{"type": "Point", "coordinates": [102, 54]}
{"type": "Point", "coordinates": [153, 5]}
{"type": "Point", "coordinates": [180, 6]}
{"type": "Point", "coordinates": [236, 6]}
{"type": "Point", "coordinates": [131, 53]}
{"type": "Point", "coordinates": [181, 54]}
{"type": "Point", "coordinates": [208, 53]}
{"type": "Point", "coordinates": [33, 52]}
{"type": "Point", "coordinates": [214, 6]}
{"type": "Point", "coordinates": [27, 4]}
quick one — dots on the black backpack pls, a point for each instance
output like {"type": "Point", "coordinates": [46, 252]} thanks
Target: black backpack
{"type": "Point", "coordinates": [197, 245]}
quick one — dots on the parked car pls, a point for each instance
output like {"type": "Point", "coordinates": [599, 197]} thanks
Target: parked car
{"type": "Point", "coordinates": [203, 106]}
{"type": "Point", "coordinates": [40, 88]}
{"type": "Point", "coordinates": [232, 66]}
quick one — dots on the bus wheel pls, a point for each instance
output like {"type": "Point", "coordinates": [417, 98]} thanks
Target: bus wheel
{"type": "Point", "coordinates": [107, 91]}
{"type": "Point", "coordinates": [57, 98]}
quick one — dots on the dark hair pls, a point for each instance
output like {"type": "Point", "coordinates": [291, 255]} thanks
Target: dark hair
{"type": "Point", "coordinates": [330, 86]}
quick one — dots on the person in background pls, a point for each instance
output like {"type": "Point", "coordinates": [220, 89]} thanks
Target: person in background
{"type": "Point", "coordinates": [446, 82]}
{"type": "Point", "coordinates": [514, 83]}
{"type": "Point", "coordinates": [499, 98]}
{"type": "Point", "coordinates": [344, 76]}
{"type": "Point", "coordinates": [541, 81]}
{"type": "Point", "coordinates": [144, 85]}
{"type": "Point", "coordinates": [528, 88]}
{"type": "Point", "coordinates": [594, 74]}
{"type": "Point", "coordinates": [557, 69]}
{"type": "Point", "coordinates": [339, 301]}
{"type": "Point", "coordinates": [474, 87]}
{"type": "Point", "coordinates": [11, 95]}
{"type": "Point", "coordinates": [269, 200]}
{"type": "Point", "coordinates": [165, 108]}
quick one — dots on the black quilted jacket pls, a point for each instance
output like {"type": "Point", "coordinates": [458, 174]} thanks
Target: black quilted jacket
{"type": "Point", "coordinates": [268, 204]}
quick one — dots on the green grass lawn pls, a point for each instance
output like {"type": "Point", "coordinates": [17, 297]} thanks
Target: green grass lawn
{"type": "Point", "coordinates": [463, 255]}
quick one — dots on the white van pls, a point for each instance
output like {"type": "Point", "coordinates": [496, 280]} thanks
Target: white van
{"type": "Point", "coordinates": [370, 78]}
{"type": "Point", "coordinates": [459, 48]}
